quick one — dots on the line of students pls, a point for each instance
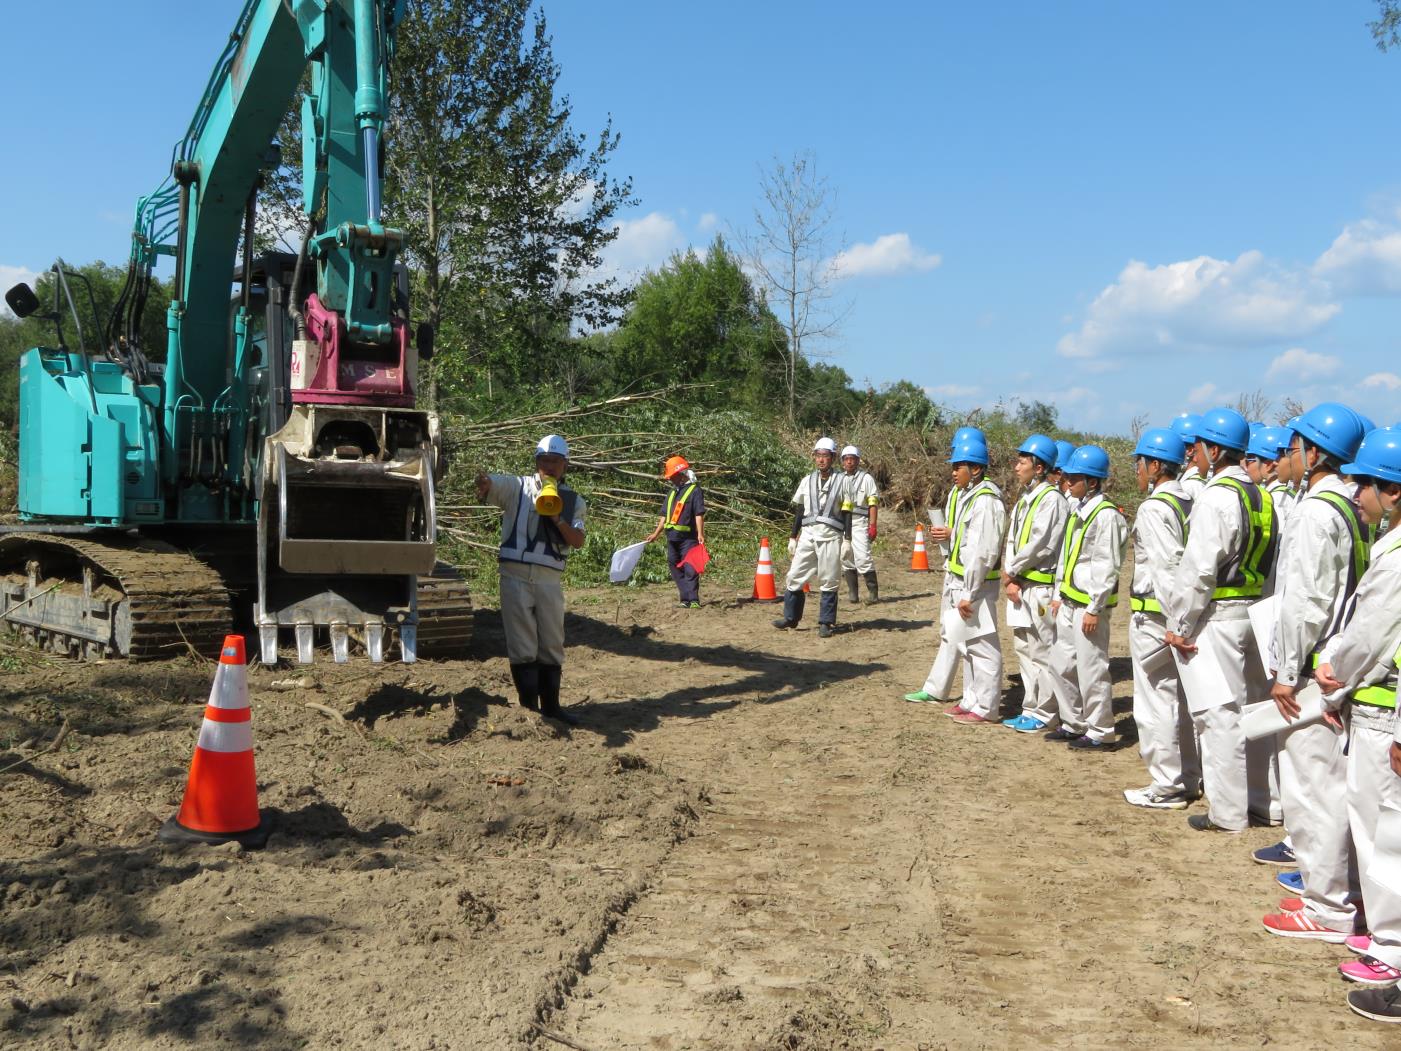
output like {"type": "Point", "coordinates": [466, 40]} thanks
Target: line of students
{"type": "Point", "coordinates": [1234, 515]}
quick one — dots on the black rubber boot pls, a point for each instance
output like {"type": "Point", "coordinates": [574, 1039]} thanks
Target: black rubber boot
{"type": "Point", "coordinates": [853, 588]}
{"type": "Point", "coordinates": [872, 587]}
{"type": "Point", "coordinates": [527, 680]}
{"type": "Point", "coordinates": [550, 676]}
{"type": "Point", "coordinates": [793, 603]}
{"type": "Point", "coordinates": [827, 614]}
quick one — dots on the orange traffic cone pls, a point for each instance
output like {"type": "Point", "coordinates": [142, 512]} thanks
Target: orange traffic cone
{"type": "Point", "coordinates": [919, 561]}
{"type": "Point", "coordinates": [763, 575]}
{"type": "Point", "coordinates": [221, 797]}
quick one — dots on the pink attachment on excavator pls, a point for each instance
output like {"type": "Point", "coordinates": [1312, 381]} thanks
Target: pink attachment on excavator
{"type": "Point", "coordinates": [350, 373]}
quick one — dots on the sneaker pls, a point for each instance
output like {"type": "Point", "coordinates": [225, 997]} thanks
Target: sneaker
{"type": "Point", "coordinates": [1298, 925]}
{"type": "Point", "coordinates": [1291, 904]}
{"type": "Point", "coordinates": [921, 697]}
{"type": "Point", "coordinates": [1280, 854]}
{"type": "Point", "coordinates": [1380, 1005]}
{"type": "Point", "coordinates": [1029, 725]}
{"type": "Point", "coordinates": [1085, 741]}
{"type": "Point", "coordinates": [784, 622]}
{"type": "Point", "coordinates": [1359, 943]}
{"type": "Point", "coordinates": [1155, 798]}
{"type": "Point", "coordinates": [1061, 734]}
{"type": "Point", "coordinates": [1369, 971]}
{"type": "Point", "coordinates": [1291, 881]}
{"type": "Point", "coordinates": [1011, 723]}
{"type": "Point", "coordinates": [968, 718]}
{"type": "Point", "coordinates": [1203, 823]}
{"type": "Point", "coordinates": [956, 712]}
{"type": "Point", "coordinates": [693, 605]}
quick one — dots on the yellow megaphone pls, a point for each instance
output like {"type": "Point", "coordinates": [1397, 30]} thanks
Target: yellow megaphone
{"type": "Point", "coordinates": [548, 504]}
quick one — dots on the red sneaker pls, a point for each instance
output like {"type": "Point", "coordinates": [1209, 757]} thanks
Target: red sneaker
{"type": "Point", "coordinates": [968, 718]}
{"type": "Point", "coordinates": [1298, 925]}
{"type": "Point", "coordinates": [1291, 904]}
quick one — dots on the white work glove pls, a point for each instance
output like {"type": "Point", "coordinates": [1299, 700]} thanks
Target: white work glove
{"type": "Point", "coordinates": [792, 546]}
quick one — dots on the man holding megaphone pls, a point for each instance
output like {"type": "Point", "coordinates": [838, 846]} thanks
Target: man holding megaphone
{"type": "Point", "coordinates": [542, 520]}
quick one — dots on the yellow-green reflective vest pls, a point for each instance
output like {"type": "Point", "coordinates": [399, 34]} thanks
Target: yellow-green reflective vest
{"type": "Point", "coordinates": [1181, 509]}
{"type": "Point", "coordinates": [675, 505]}
{"type": "Point", "coordinates": [1245, 574]}
{"type": "Point", "coordinates": [1074, 540]}
{"type": "Point", "coordinates": [1024, 535]}
{"type": "Point", "coordinates": [955, 564]}
{"type": "Point", "coordinates": [1383, 694]}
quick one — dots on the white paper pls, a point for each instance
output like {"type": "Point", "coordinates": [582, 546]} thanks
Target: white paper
{"type": "Point", "coordinates": [1018, 615]}
{"type": "Point", "coordinates": [1203, 681]}
{"type": "Point", "coordinates": [1157, 661]}
{"type": "Point", "coordinates": [960, 632]}
{"type": "Point", "coordinates": [1386, 854]}
{"type": "Point", "coordinates": [1262, 625]}
{"type": "Point", "coordinates": [938, 520]}
{"type": "Point", "coordinates": [1263, 719]}
{"type": "Point", "coordinates": [625, 560]}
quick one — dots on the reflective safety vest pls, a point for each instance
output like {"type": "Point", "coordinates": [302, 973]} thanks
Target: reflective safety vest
{"type": "Point", "coordinates": [1244, 575]}
{"type": "Point", "coordinates": [1383, 694]}
{"type": "Point", "coordinates": [855, 506]}
{"type": "Point", "coordinates": [1363, 535]}
{"type": "Point", "coordinates": [1040, 576]}
{"type": "Point", "coordinates": [1181, 509]}
{"type": "Point", "coordinates": [1074, 540]}
{"type": "Point", "coordinates": [955, 564]}
{"type": "Point", "coordinates": [544, 547]}
{"type": "Point", "coordinates": [675, 506]}
{"type": "Point", "coordinates": [825, 512]}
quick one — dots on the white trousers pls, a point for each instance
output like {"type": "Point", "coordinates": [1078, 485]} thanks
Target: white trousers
{"type": "Point", "coordinates": [819, 555]}
{"type": "Point", "coordinates": [1166, 740]}
{"type": "Point", "coordinates": [939, 682]}
{"type": "Point", "coordinates": [1080, 674]}
{"type": "Point", "coordinates": [1313, 787]}
{"type": "Point", "coordinates": [1033, 648]}
{"type": "Point", "coordinates": [857, 554]}
{"type": "Point", "coordinates": [1372, 784]}
{"type": "Point", "coordinates": [981, 658]}
{"type": "Point", "coordinates": [532, 612]}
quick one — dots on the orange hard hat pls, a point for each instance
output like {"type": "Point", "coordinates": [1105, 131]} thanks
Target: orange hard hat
{"type": "Point", "coordinates": [675, 464]}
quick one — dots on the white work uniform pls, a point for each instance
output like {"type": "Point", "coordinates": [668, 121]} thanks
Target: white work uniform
{"type": "Point", "coordinates": [1080, 663]}
{"type": "Point", "coordinates": [939, 684]}
{"type": "Point", "coordinates": [819, 552]}
{"type": "Point", "coordinates": [1218, 534]}
{"type": "Point", "coordinates": [531, 563]}
{"type": "Point", "coordinates": [1033, 546]}
{"type": "Point", "coordinates": [970, 575]}
{"type": "Point", "coordinates": [1165, 738]}
{"type": "Point", "coordinates": [1192, 482]}
{"type": "Point", "coordinates": [1313, 588]}
{"type": "Point", "coordinates": [1364, 655]}
{"type": "Point", "coordinates": [861, 494]}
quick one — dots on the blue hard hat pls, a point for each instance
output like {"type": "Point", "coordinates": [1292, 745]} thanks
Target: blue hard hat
{"type": "Point", "coordinates": [1064, 451]}
{"type": "Point", "coordinates": [1162, 443]}
{"type": "Point", "coordinates": [1186, 426]}
{"type": "Point", "coordinates": [1379, 456]}
{"type": "Point", "coordinates": [1367, 425]}
{"type": "Point", "coordinates": [1267, 442]}
{"type": "Point", "coordinates": [1041, 447]}
{"type": "Point", "coordinates": [1226, 428]}
{"type": "Point", "coordinates": [971, 450]}
{"type": "Point", "coordinates": [964, 433]}
{"type": "Point", "coordinates": [1089, 460]}
{"type": "Point", "coordinates": [1333, 427]}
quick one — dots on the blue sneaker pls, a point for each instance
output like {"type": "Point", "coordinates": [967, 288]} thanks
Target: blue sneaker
{"type": "Point", "coordinates": [1029, 725]}
{"type": "Point", "coordinates": [1011, 723]}
{"type": "Point", "coordinates": [1291, 881]}
{"type": "Point", "coordinates": [1278, 854]}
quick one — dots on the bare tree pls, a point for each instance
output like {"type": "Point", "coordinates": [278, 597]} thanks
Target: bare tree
{"type": "Point", "coordinates": [1253, 406]}
{"type": "Point", "coordinates": [1291, 407]}
{"type": "Point", "coordinates": [790, 251]}
{"type": "Point", "coordinates": [1138, 425]}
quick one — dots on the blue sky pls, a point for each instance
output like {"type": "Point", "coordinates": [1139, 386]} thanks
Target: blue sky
{"type": "Point", "coordinates": [1121, 208]}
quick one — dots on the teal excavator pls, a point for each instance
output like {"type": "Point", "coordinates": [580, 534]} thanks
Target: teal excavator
{"type": "Point", "coordinates": [272, 471]}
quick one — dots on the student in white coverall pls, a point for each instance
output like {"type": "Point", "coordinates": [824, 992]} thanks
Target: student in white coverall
{"type": "Point", "coordinates": [1087, 590]}
{"type": "Point", "coordinates": [816, 544]}
{"type": "Point", "coordinates": [1228, 555]}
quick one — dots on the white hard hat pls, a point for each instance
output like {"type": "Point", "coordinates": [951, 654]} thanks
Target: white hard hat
{"type": "Point", "coordinates": [552, 443]}
{"type": "Point", "coordinates": [851, 450]}
{"type": "Point", "coordinates": [825, 445]}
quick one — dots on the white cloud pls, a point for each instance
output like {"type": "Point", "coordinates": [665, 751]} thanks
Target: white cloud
{"type": "Point", "coordinates": [1203, 396]}
{"type": "Point", "coordinates": [888, 254]}
{"type": "Point", "coordinates": [11, 276]}
{"type": "Point", "coordinates": [1200, 304]}
{"type": "Point", "coordinates": [708, 221]}
{"type": "Point", "coordinates": [1363, 260]}
{"type": "Point", "coordinates": [952, 390]}
{"type": "Point", "coordinates": [1383, 381]}
{"type": "Point", "coordinates": [1298, 365]}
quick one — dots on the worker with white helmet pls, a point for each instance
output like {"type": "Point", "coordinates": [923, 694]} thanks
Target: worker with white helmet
{"type": "Point", "coordinates": [816, 542]}
{"type": "Point", "coordinates": [861, 499]}
{"type": "Point", "coordinates": [971, 578]}
{"type": "Point", "coordinates": [1228, 556]}
{"type": "Point", "coordinates": [1029, 576]}
{"type": "Point", "coordinates": [542, 521]}
{"type": "Point", "coordinates": [1165, 739]}
{"type": "Point", "coordinates": [1087, 590]}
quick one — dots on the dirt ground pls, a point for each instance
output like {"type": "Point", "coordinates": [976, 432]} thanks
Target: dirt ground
{"type": "Point", "coordinates": [749, 841]}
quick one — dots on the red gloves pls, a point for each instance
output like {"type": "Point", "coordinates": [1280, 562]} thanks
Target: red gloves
{"type": "Point", "coordinates": [871, 530]}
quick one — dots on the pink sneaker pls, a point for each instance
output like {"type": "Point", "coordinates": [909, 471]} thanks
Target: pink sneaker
{"type": "Point", "coordinates": [1369, 971]}
{"type": "Point", "coordinates": [1298, 925]}
{"type": "Point", "coordinates": [1359, 943]}
{"type": "Point", "coordinates": [970, 719]}
{"type": "Point", "coordinates": [957, 711]}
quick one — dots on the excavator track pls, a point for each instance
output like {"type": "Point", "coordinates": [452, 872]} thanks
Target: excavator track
{"type": "Point", "coordinates": [444, 614]}
{"type": "Point", "coordinates": [121, 597]}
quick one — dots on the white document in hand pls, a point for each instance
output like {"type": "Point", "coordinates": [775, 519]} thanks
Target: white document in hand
{"type": "Point", "coordinates": [938, 520]}
{"type": "Point", "coordinates": [625, 560]}
{"type": "Point", "coordinates": [1203, 681]}
{"type": "Point", "coordinates": [955, 627]}
{"type": "Point", "coordinates": [1018, 615]}
{"type": "Point", "coordinates": [1263, 719]}
{"type": "Point", "coordinates": [1262, 625]}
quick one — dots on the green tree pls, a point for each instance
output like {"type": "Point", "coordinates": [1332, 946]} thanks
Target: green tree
{"type": "Point", "coordinates": [1386, 30]}
{"type": "Point", "coordinates": [1037, 416]}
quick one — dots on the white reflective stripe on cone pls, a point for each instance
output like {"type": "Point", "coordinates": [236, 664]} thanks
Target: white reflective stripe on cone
{"type": "Point", "coordinates": [765, 570]}
{"type": "Point", "coordinates": [226, 737]}
{"type": "Point", "coordinates": [230, 689]}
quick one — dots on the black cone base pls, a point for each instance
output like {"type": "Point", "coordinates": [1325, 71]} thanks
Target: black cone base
{"type": "Point", "coordinates": [254, 839]}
